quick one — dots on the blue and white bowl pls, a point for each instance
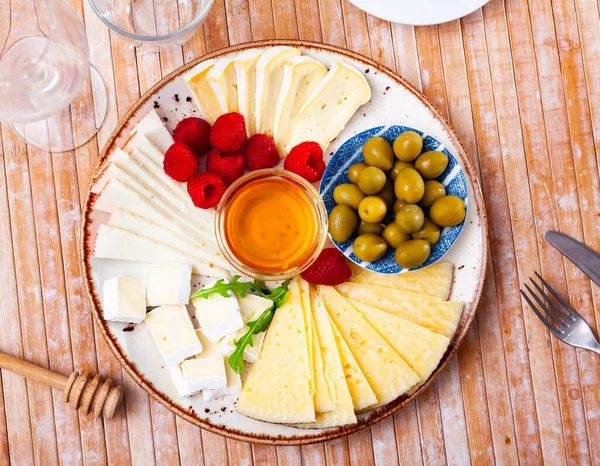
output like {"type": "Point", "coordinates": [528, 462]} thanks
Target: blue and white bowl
{"type": "Point", "coordinates": [350, 153]}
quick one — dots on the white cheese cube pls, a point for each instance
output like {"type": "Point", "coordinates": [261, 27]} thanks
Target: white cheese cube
{"type": "Point", "coordinates": [204, 373]}
{"type": "Point", "coordinates": [124, 300]}
{"type": "Point", "coordinates": [168, 284]}
{"type": "Point", "coordinates": [181, 384]}
{"type": "Point", "coordinates": [218, 315]}
{"type": "Point", "coordinates": [174, 334]}
{"type": "Point", "coordinates": [234, 385]}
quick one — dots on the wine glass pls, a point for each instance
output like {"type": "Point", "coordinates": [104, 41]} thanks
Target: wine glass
{"type": "Point", "coordinates": [51, 96]}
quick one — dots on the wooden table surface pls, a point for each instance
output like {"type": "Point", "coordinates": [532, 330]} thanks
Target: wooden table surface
{"type": "Point", "coordinates": [520, 83]}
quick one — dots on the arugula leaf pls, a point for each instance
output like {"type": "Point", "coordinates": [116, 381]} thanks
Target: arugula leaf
{"type": "Point", "coordinates": [239, 288]}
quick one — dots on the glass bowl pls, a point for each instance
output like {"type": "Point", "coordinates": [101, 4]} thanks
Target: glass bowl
{"type": "Point", "coordinates": [164, 23]}
{"type": "Point", "coordinates": [232, 200]}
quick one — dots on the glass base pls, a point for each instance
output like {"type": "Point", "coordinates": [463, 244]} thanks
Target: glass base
{"type": "Point", "coordinates": [74, 125]}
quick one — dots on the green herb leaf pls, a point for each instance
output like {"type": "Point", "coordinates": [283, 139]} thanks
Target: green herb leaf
{"type": "Point", "coordinates": [224, 289]}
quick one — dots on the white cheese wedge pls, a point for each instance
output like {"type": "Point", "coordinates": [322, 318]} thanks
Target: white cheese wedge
{"type": "Point", "coordinates": [113, 194]}
{"type": "Point", "coordinates": [123, 300]}
{"type": "Point", "coordinates": [433, 313]}
{"type": "Point", "coordinates": [234, 385]}
{"type": "Point", "coordinates": [301, 75]}
{"type": "Point", "coordinates": [327, 110]}
{"type": "Point", "coordinates": [154, 129]}
{"type": "Point", "coordinates": [217, 315]}
{"type": "Point", "coordinates": [202, 92]}
{"type": "Point", "coordinates": [245, 77]}
{"type": "Point", "coordinates": [142, 143]}
{"type": "Point", "coordinates": [167, 284]}
{"type": "Point", "coordinates": [419, 347]}
{"type": "Point", "coordinates": [269, 75]}
{"type": "Point", "coordinates": [221, 79]}
{"type": "Point", "coordinates": [173, 333]}
{"type": "Point", "coordinates": [278, 386]}
{"type": "Point", "coordinates": [388, 374]}
{"type": "Point", "coordinates": [435, 280]}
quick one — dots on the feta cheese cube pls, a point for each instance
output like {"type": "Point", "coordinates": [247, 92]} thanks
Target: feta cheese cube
{"type": "Point", "coordinates": [204, 373]}
{"type": "Point", "coordinates": [234, 385]}
{"type": "Point", "coordinates": [167, 284]}
{"type": "Point", "coordinates": [174, 334]}
{"type": "Point", "coordinates": [124, 300]}
{"type": "Point", "coordinates": [181, 384]}
{"type": "Point", "coordinates": [218, 315]}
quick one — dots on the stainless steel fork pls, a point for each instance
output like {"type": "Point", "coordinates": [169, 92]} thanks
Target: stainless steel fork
{"type": "Point", "coordinates": [560, 318]}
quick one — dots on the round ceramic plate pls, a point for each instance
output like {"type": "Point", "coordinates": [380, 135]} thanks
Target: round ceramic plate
{"type": "Point", "coordinates": [420, 13]}
{"type": "Point", "coordinates": [393, 102]}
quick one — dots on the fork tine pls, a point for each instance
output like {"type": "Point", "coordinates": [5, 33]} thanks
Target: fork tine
{"type": "Point", "coordinates": [559, 323]}
{"type": "Point", "coordinates": [545, 321]}
{"type": "Point", "coordinates": [559, 311]}
{"type": "Point", "coordinates": [574, 313]}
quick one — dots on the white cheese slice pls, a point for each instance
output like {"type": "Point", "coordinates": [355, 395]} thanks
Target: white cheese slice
{"type": "Point", "coordinates": [388, 374]}
{"type": "Point", "coordinates": [173, 333]}
{"type": "Point", "coordinates": [153, 128]}
{"type": "Point", "coordinates": [327, 110]}
{"type": "Point", "coordinates": [301, 75]}
{"type": "Point", "coordinates": [202, 92]}
{"type": "Point", "coordinates": [218, 315]}
{"type": "Point", "coordinates": [433, 313]}
{"type": "Point", "coordinates": [221, 79]}
{"type": "Point", "coordinates": [278, 386]}
{"type": "Point", "coordinates": [167, 284]}
{"type": "Point", "coordinates": [269, 75]}
{"type": "Point", "coordinates": [304, 290]}
{"type": "Point", "coordinates": [245, 77]}
{"type": "Point", "coordinates": [124, 300]}
{"type": "Point", "coordinates": [234, 385]}
{"type": "Point", "coordinates": [142, 143]}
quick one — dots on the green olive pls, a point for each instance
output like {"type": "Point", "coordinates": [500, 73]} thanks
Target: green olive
{"type": "Point", "coordinates": [433, 191]}
{"type": "Point", "coordinates": [409, 186]}
{"type": "Point", "coordinates": [354, 171]}
{"type": "Point", "coordinates": [431, 164]}
{"type": "Point", "coordinates": [398, 205]}
{"type": "Point", "coordinates": [429, 232]}
{"type": "Point", "coordinates": [373, 228]}
{"type": "Point", "coordinates": [393, 236]}
{"type": "Point", "coordinates": [412, 253]}
{"type": "Point", "coordinates": [448, 211]}
{"type": "Point", "coordinates": [342, 223]}
{"type": "Point", "coordinates": [372, 209]}
{"type": "Point", "coordinates": [388, 195]}
{"type": "Point", "coordinates": [371, 180]}
{"type": "Point", "coordinates": [410, 218]}
{"type": "Point", "coordinates": [399, 165]}
{"type": "Point", "coordinates": [348, 194]}
{"type": "Point", "coordinates": [408, 146]}
{"type": "Point", "coordinates": [378, 153]}
{"type": "Point", "coordinates": [369, 247]}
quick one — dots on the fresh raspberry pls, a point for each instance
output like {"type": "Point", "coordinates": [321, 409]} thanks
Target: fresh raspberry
{"type": "Point", "coordinates": [228, 167]}
{"type": "Point", "coordinates": [261, 152]}
{"type": "Point", "coordinates": [194, 133]}
{"type": "Point", "coordinates": [206, 189]}
{"type": "Point", "coordinates": [306, 160]}
{"type": "Point", "coordinates": [180, 162]}
{"type": "Point", "coordinates": [228, 133]}
{"type": "Point", "coordinates": [330, 268]}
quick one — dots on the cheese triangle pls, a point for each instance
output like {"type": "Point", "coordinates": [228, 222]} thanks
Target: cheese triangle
{"type": "Point", "coordinates": [203, 94]}
{"type": "Point", "coordinates": [222, 81]}
{"type": "Point", "coordinates": [435, 280]}
{"type": "Point", "coordinates": [419, 347]}
{"type": "Point", "coordinates": [388, 374]}
{"type": "Point", "coordinates": [245, 76]}
{"type": "Point", "coordinates": [278, 386]}
{"type": "Point", "coordinates": [438, 316]}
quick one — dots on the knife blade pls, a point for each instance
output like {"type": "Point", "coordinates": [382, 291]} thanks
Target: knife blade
{"type": "Point", "coordinates": [582, 256]}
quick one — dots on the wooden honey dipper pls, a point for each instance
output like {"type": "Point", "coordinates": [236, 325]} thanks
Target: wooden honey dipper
{"type": "Point", "coordinates": [81, 391]}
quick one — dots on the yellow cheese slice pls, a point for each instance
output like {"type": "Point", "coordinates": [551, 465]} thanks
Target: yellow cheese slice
{"type": "Point", "coordinates": [278, 386]}
{"type": "Point", "coordinates": [388, 374]}
{"type": "Point", "coordinates": [222, 80]}
{"type": "Point", "coordinates": [245, 76]}
{"type": "Point", "coordinates": [301, 75]}
{"type": "Point", "coordinates": [330, 106]}
{"type": "Point", "coordinates": [433, 313]}
{"type": "Point", "coordinates": [419, 347]}
{"type": "Point", "coordinates": [205, 98]}
{"type": "Point", "coordinates": [435, 280]}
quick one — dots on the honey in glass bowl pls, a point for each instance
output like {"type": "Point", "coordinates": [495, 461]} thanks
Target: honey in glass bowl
{"type": "Point", "coordinates": [271, 224]}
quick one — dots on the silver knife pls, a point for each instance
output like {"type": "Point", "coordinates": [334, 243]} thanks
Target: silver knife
{"type": "Point", "coordinates": [583, 257]}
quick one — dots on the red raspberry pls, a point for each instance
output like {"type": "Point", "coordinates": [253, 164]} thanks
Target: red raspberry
{"type": "Point", "coordinates": [306, 160]}
{"type": "Point", "coordinates": [228, 167]}
{"type": "Point", "coordinates": [261, 152]}
{"type": "Point", "coordinates": [180, 162]}
{"type": "Point", "coordinates": [228, 133]}
{"type": "Point", "coordinates": [206, 189]}
{"type": "Point", "coordinates": [330, 268]}
{"type": "Point", "coordinates": [194, 133]}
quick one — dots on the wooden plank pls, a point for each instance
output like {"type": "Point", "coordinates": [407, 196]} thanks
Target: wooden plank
{"type": "Point", "coordinates": [215, 30]}
{"type": "Point", "coordinates": [431, 428]}
{"type": "Point", "coordinates": [239, 452]}
{"type": "Point", "coordinates": [381, 39]}
{"type": "Point", "coordinates": [309, 25]}
{"type": "Point", "coordinates": [406, 424]}
{"type": "Point", "coordinates": [313, 454]}
{"type": "Point", "coordinates": [139, 422]}
{"type": "Point", "coordinates": [356, 29]}
{"type": "Point", "coordinates": [238, 19]}
{"type": "Point", "coordinates": [214, 448]}
{"type": "Point", "coordinates": [284, 16]}
{"type": "Point", "coordinates": [4, 452]}
{"type": "Point", "coordinates": [337, 452]}
{"type": "Point", "coordinates": [385, 448]}
{"type": "Point", "coordinates": [264, 454]}
{"type": "Point", "coordinates": [289, 456]}
{"type": "Point", "coordinates": [405, 51]}
{"type": "Point", "coordinates": [190, 443]}
{"type": "Point", "coordinates": [332, 21]}
{"type": "Point", "coordinates": [166, 450]}
{"type": "Point", "coordinates": [261, 19]}
{"type": "Point", "coordinates": [360, 446]}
